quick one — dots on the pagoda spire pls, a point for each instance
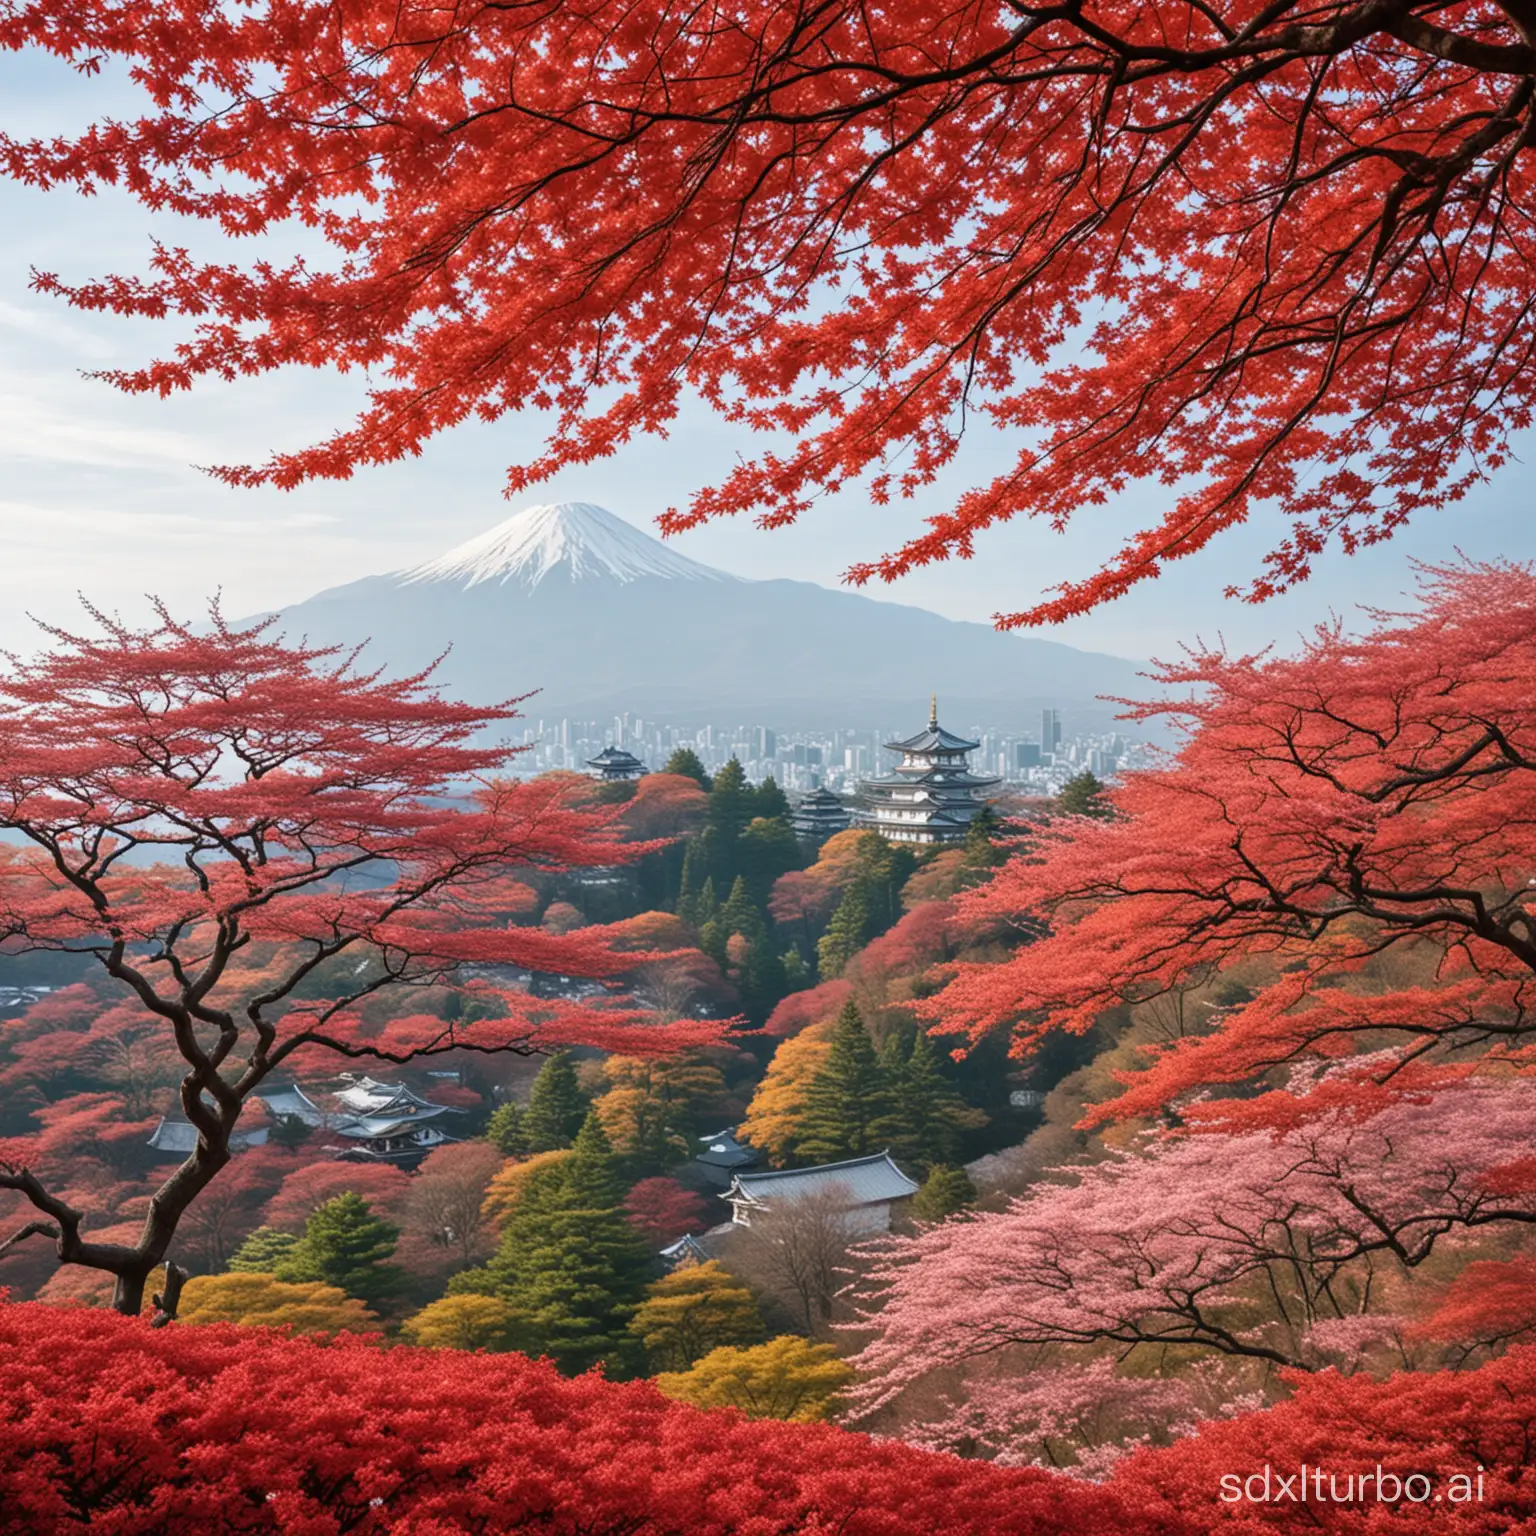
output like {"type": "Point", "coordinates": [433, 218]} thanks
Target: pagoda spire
{"type": "Point", "coordinates": [933, 711]}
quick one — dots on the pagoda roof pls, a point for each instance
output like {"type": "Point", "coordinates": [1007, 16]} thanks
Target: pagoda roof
{"type": "Point", "coordinates": [367, 1097]}
{"type": "Point", "coordinates": [723, 1150]}
{"type": "Point", "coordinates": [614, 757]}
{"type": "Point", "coordinates": [866, 1181]}
{"type": "Point", "coordinates": [180, 1137]}
{"type": "Point", "coordinates": [935, 778]}
{"type": "Point", "coordinates": [933, 738]}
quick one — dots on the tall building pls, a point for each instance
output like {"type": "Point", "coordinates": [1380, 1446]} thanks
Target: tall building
{"type": "Point", "coordinates": [931, 796]}
{"type": "Point", "coordinates": [1050, 730]}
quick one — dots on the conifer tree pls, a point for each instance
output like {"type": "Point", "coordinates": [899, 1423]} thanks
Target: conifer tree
{"type": "Point", "coordinates": [556, 1105]}
{"type": "Point", "coordinates": [767, 849]}
{"type": "Point", "coordinates": [507, 1129]}
{"type": "Point", "coordinates": [927, 1112]}
{"type": "Point", "coordinates": [772, 802]}
{"type": "Point", "coordinates": [570, 1262]}
{"type": "Point", "coordinates": [848, 1105]}
{"type": "Point", "coordinates": [263, 1251]}
{"type": "Point", "coordinates": [846, 933]}
{"type": "Point", "coordinates": [685, 761]}
{"type": "Point", "coordinates": [693, 1310]}
{"type": "Point", "coordinates": [946, 1190]}
{"type": "Point", "coordinates": [761, 981]}
{"type": "Point", "coordinates": [347, 1246]}
{"type": "Point", "coordinates": [691, 884]}
{"type": "Point", "coordinates": [981, 853]}
{"type": "Point", "coordinates": [1082, 795]}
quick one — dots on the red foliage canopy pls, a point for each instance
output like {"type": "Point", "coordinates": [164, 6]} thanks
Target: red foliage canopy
{"type": "Point", "coordinates": [1368, 802]}
{"type": "Point", "coordinates": [252, 840]}
{"type": "Point", "coordinates": [1289, 236]}
{"type": "Point", "coordinates": [186, 1431]}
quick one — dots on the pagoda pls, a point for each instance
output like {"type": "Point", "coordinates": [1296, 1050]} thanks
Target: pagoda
{"type": "Point", "coordinates": [614, 764]}
{"type": "Point", "coordinates": [819, 815]}
{"type": "Point", "coordinates": [931, 795]}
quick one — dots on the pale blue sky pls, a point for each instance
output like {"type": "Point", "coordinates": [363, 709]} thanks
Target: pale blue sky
{"type": "Point", "coordinates": [98, 493]}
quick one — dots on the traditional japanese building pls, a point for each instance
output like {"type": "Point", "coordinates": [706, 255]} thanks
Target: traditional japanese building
{"type": "Point", "coordinates": [870, 1191]}
{"type": "Point", "coordinates": [721, 1156]}
{"type": "Point", "coordinates": [820, 815]}
{"type": "Point", "coordinates": [614, 763]}
{"type": "Point", "coordinates": [370, 1122]}
{"type": "Point", "coordinates": [931, 795]}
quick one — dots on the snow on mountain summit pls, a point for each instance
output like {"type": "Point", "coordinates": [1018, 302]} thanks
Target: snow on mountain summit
{"type": "Point", "coordinates": [585, 540]}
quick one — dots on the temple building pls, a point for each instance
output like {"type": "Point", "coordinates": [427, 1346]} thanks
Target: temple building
{"type": "Point", "coordinates": [870, 1191]}
{"type": "Point", "coordinates": [931, 795]}
{"type": "Point", "coordinates": [614, 763]}
{"type": "Point", "coordinates": [371, 1122]}
{"type": "Point", "coordinates": [819, 815]}
{"type": "Point", "coordinates": [722, 1155]}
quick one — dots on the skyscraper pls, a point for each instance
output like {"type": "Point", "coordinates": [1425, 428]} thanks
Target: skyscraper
{"type": "Point", "coordinates": [1050, 730]}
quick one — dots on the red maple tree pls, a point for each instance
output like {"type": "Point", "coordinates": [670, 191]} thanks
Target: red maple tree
{"type": "Point", "coordinates": [1259, 251]}
{"type": "Point", "coordinates": [252, 839]}
{"type": "Point", "coordinates": [1354, 821]}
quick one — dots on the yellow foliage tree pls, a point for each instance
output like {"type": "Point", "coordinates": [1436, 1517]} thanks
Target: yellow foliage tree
{"type": "Point", "coordinates": [773, 1116]}
{"type": "Point", "coordinates": [786, 1378]}
{"type": "Point", "coordinates": [692, 1311]}
{"type": "Point", "coordinates": [466, 1322]}
{"type": "Point", "coordinates": [263, 1301]}
{"type": "Point", "coordinates": [506, 1187]}
{"type": "Point", "coordinates": [652, 1105]}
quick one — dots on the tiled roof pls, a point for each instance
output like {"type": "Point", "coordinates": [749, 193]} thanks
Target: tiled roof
{"type": "Point", "coordinates": [866, 1180]}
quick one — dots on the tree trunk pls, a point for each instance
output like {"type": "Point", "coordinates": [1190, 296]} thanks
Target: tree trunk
{"type": "Point", "coordinates": [128, 1293]}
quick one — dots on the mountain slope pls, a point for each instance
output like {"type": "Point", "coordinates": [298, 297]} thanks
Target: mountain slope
{"type": "Point", "coordinates": [600, 618]}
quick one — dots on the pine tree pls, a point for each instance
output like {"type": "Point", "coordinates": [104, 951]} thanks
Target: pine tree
{"type": "Point", "coordinates": [685, 761]}
{"type": "Point", "coordinates": [927, 1112]}
{"type": "Point", "coordinates": [263, 1251]}
{"type": "Point", "coordinates": [507, 1130]}
{"type": "Point", "coordinates": [848, 1104]}
{"type": "Point", "coordinates": [981, 854]}
{"type": "Point", "coordinates": [691, 884]}
{"type": "Point", "coordinates": [556, 1106]}
{"type": "Point", "coordinates": [767, 849]}
{"type": "Point", "coordinates": [346, 1245]}
{"type": "Point", "coordinates": [761, 981]}
{"type": "Point", "coordinates": [1082, 795]}
{"type": "Point", "coordinates": [947, 1189]}
{"type": "Point", "coordinates": [772, 802]}
{"type": "Point", "coordinates": [570, 1262]}
{"type": "Point", "coordinates": [845, 935]}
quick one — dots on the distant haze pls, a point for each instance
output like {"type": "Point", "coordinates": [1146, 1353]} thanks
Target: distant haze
{"type": "Point", "coordinates": [573, 601]}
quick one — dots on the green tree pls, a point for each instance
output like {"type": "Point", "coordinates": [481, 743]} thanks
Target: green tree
{"type": "Point", "coordinates": [693, 1310]}
{"type": "Point", "coordinates": [556, 1105]}
{"type": "Point", "coordinates": [262, 1251]}
{"type": "Point", "coordinates": [981, 853]}
{"type": "Point", "coordinates": [760, 979]}
{"type": "Point", "coordinates": [685, 761]}
{"type": "Point", "coordinates": [731, 805]}
{"type": "Point", "coordinates": [848, 1104]}
{"type": "Point", "coordinates": [767, 849]}
{"type": "Point", "coordinates": [691, 883]}
{"type": "Point", "coordinates": [772, 802]}
{"type": "Point", "coordinates": [507, 1130]}
{"type": "Point", "coordinates": [569, 1261]}
{"type": "Point", "coordinates": [845, 935]}
{"type": "Point", "coordinates": [946, 1190]}
{"type": "Point", "coordinates": [347, 1246]}
{"type": "Point", "coordinates": [1082, 795]}
{"type": "Point", "coordinates": [927, 1113]}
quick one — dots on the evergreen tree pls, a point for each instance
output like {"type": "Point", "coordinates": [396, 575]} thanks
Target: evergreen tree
{"type": "Point", "coordinates": [761, 981]}
{"type": "Point", "coordinates": [845, 935]}
{"type": "Point", "coordinates": [731, 801]}
{"type": "Point", "coordinates": [947, 1189]}
{"type": "Point", "coordinates": [570, 1262]}
{"type": "Point", "coordinates": [981, 853]}
{"type": "Point", "coordinates": [556, 1106]}
{"type": "Point", "coordinates": [927, 1113]}
{"type": "Point", "coordinates": [685, 761]}
{"type": "Point", "coordinates": [772, 802]}
{"type": "Point", "coordinates": [848, 1104]}
{"type": "Point", "coordinates": [263, 1251]}
{"type": "Point", "coordinates": [691, 883]}
{"type": "Point", "coordinates": [507, 1130]}
{"type": "Point", "coordinates": [766, 850]}
{"type": "Point", "coordinates": [346, 1245]}
{"type": "Point", "coordinates": [1082, 795]}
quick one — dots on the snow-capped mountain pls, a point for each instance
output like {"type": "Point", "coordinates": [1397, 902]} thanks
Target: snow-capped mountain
{"type": "Point", "coordinates": [584, 541]}
{"type": "Point", "coordinates": [599, 618]}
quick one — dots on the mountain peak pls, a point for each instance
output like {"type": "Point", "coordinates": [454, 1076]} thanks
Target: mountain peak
{"type": "Point", "coordinates": [584, 541]}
